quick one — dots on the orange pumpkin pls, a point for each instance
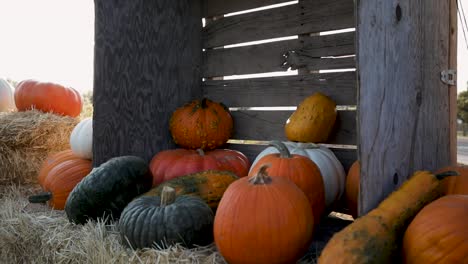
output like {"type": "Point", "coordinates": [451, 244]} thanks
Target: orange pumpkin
{"type": "Point", "coordinates": [301, 170]}
{"type": "Point", "coordinates": [352, 188]}
{"type": "Point", "coordinates": [47, 97]}
{"type": "Point", "coordinates": [201, 124]}
{"type": "Point", "coordinates": [439, 232]}
{"type": "Point", "coordinates": [263, 219]}
{"type": "Point", "coordinates": [53, 160]}
{"type": "Point", "coordinates": [456, 184]}
{"type": "Point", "coordinates": [60, 181]}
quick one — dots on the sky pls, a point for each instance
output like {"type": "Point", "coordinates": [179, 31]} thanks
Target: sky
{"type": "Point", "coordinates": [53, 40]}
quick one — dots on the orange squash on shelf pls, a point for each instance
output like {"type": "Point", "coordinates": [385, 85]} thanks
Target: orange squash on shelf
{"type": "Point", "coordinates": [352, 188]}
{"type": "Point", "coordinates": [456, 184]}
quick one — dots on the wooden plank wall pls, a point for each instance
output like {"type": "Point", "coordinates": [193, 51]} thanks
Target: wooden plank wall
{"type": "Point", "coordinates": [144, 69]}
{"type": "Point", "coordinates": [406, 122]}
{"type": "Point", "coordinates": [309, 53]}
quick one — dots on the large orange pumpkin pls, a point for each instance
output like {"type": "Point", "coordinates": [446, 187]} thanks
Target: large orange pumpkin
{"type": "Point", "coordinates": [352, 188]}
{"type": "Point", "coordinates": [168, 164]}
{"type": "Point", "coordinates": [47, 97]}
{"type": "Point", "coordinates": [201, 124]}
{"type": "Point", "coordinates": [60, 181]}
{"type": "Point", "coordinates": [456, 184]}
{"type": "Point", "coordinates": [53, 160]}
{"type": "Point", "coordinates": [301, 170]}
{"type": "Point", "coordinates": [439, 232]}
{"type": "Point", "coordinates": [263, 219]}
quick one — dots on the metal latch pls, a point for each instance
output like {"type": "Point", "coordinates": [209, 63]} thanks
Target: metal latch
{"type": "Point", "coordinates": [449, 77]}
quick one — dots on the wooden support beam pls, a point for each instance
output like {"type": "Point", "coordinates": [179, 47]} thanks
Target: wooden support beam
{"type": "Point", "coordinates": [147, 63]}
{"type": "Point", "coordinates": [405, 121]}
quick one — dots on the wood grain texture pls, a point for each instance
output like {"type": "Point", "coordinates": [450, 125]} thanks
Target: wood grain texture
{"type": "Point", "coordinates": [213, 8]}
{"type": "Point", "coordinates": [404, 117]}
{"type": "Point", "coordinates": [269, 57]}
{"type": "Point", "coordinates": [309, 16]}
{"type": "Point", "coordinates": [269, 125]}
{"type": "Point", "coordinates": [345, 156]}
{"type": "Point", "coordinates": [453, 89]}
{"type": "Point", "coordinates": [301, 60]}
{"type": "Point", "coordinates": [143, 70]}
{"type": "Point", "coordinates": [282, 91]}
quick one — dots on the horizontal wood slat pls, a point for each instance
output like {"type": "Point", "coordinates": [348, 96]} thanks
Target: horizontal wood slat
{"type": "Point", "coordinates": [282, 91]}
{"type": "Point", "coordinates": [345, 156]}
{"type": "Point", "coordinates": [303, 61]}
{"type": "Point", "coordinates": [305, 17]}
{"type": "Point", "coordinates": [269, 57]}
{"type": "Point", "coordinates": [213, 8]}
{"type": "Point", "coordinates": [269, 125]}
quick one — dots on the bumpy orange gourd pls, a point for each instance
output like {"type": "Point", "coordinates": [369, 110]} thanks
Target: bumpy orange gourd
{"type": "Point", "coordinates": [53, 160]}
{"type": "Point", "coordinates": [375, 237]}
{"type": "Point", "coordinates": [352, 188]}
{"type": "Point", "coordinates": [456, 184]}
{"type": "Point", "coordinates": [201, 124]}
{"type": "Point", "coordinates": [60, 181]}
{"type": "Point", "coordinates": [263, 219]}
{"type": "Point", "coordinates": [313, 120]}
{"type": "Point", "coordinates": [301, 170]}
{"type": "Point", "coordinates": [48, 97]}
{"type": "Point", "coordinates": [438, 233]}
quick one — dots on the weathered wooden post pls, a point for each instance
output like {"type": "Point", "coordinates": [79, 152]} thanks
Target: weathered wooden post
{"type": "Point", "coordinates": [406, 119]}
{"type": "Point", "coordinates": [147, 63]}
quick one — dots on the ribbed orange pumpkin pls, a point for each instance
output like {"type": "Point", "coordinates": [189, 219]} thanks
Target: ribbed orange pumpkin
{"type": "Point", "coordinates": [48, 97]}
{"type": "Point", "coordinates": [61, 180]}
{"type": "Point", "coordinates": [53, 160]}
{"type": "Point", "coordinates": [263, 219]}
{"type": "Point", "coordinates": [352, 188]}
{"type": "Point", "coordinates": [456, 184]}
{"type": "Point", "coordinates": [439, 232]}
{"type": "Point", "coordinates": [301, 170]}
{"type": "Point", "coordinates": [201, 124]}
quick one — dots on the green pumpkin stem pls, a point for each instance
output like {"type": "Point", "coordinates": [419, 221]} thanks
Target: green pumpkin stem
{"type": "Point", "coordinates": [261, 177]}
{"type": "Point", "coordinates": [40, 198]}
{"type": "Point", "coordinates": [281, 147]}
{"type": "Point", "coordinates": [200, 152]}
{"type": "Point", "coordinates": [445, 174]}
{"type": "Point", "coordinates": [168, 196]}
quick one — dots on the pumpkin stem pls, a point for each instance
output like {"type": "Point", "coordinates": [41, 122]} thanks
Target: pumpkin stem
{"type": "Point", "coordinates": [445, 174]}
{"type": "Point", "coordinates": [203, 103]}
{"type": "Point", "coordinates": [168, 196]}
{"type": "Point", "coordinates": [262, 176]}
{"type": "Point", "coordinates": [40, 198]}
{"type": "Point", "coordinates": [200, 152]}
{"type": "Point", "coordinates": [281, 147]}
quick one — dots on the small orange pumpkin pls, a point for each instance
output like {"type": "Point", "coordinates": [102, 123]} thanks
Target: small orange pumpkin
{"type": "Point", "coordinates": [352, 188]}
{"type": "Point", "coordinates": [263, 219]}
{"type": "Point", "coordinates": [53, 160]}
{"type": "Point", "coordinates": [301, 170]}
{"type": "Point", "coordinates": [60, 181]}
{"type": "Point", "coordinates": [201, 124]}
{"type": "Point", "coordinates": [439, 232]}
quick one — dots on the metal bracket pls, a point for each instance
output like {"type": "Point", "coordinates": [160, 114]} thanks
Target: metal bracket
{"type": "Point", "coordinates": [449, 77]}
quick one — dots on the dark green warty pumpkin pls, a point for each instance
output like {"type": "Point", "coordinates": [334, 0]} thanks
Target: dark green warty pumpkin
{"type": "Point", "coordinates": [108, 189]}
{"type": "Point", "coordinates": [166, 220]}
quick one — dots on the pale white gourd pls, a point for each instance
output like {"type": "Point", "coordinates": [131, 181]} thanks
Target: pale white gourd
{"type": "Point", "coordinates": [7, 102]}
{"type": "Point", "coordinates": [81, 139]}
{"type": "Point", "coordinates": [332, 170]}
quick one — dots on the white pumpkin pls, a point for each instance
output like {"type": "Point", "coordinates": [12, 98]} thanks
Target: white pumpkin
{"type": "Point", "coordinates": [332, 170]}
{"type": "Point", "coordinates": [7, 103]}
{"type": "Point", "coordinates": [81, 139]}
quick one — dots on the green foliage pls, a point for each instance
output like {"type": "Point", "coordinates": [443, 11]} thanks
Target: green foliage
{"type": "Point", "coordinates": [462, 106]}
{"type": "Point", "coordinates": [87, 110]}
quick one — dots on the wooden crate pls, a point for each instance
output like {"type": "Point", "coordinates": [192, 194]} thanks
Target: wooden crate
{"type": "Point", "coordinates": [153, 56]}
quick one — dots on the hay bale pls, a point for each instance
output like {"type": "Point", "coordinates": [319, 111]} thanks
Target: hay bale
{"type": "Point", "coordinates": [26, 139]}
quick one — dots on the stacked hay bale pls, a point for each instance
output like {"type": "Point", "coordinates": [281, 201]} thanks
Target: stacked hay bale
{"type": "Point", "coordinates": [26, 139]}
